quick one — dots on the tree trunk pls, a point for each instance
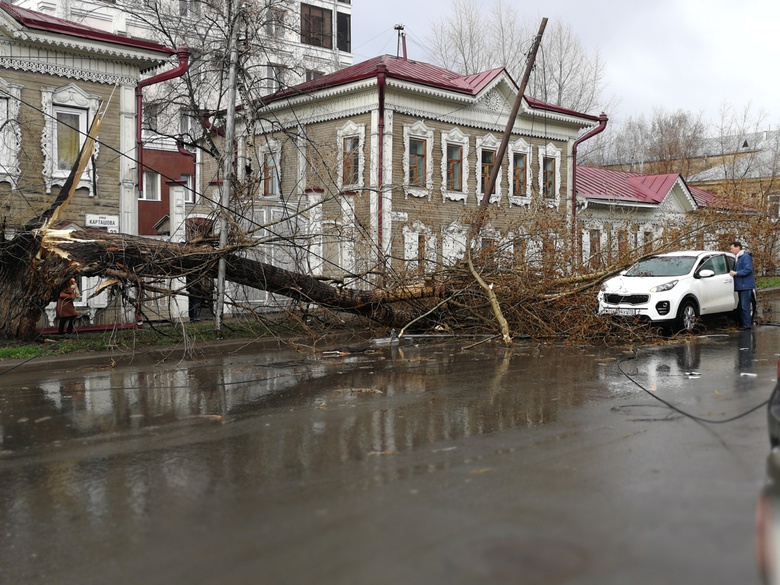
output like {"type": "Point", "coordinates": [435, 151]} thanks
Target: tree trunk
{"type": "Point", "coordinates": [35, 265]}
{"type": "Point", "coordinates": [24, 289]}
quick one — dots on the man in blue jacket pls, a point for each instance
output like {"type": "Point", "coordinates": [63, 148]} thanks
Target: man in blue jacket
{"type": "Point", "coordinates": [744, 283]}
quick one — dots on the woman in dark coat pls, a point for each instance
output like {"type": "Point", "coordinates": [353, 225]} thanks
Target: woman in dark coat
{"type": "Point", "coordinates": [66, 312]}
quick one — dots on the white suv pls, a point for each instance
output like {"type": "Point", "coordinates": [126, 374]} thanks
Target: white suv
{"type": "Point", "coordinates": [673, 289]}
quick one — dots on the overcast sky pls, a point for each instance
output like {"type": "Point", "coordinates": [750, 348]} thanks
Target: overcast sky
{"type": "Point", "coordinates": [693, 55]}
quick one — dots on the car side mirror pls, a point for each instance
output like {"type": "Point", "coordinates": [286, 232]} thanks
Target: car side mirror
{"type": "Point", "coordinates": [706, 273]}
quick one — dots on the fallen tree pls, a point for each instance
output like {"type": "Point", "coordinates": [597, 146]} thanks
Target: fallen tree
{"type": "Point", "coordinates": [39, 259]}
{"type": "Point", "coordinates": [35, 264]}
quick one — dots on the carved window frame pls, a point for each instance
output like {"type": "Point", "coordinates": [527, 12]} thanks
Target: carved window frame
{"type": "Point", "coordinates": [418, 131]}
{"type": "Point", "coordinates": [420, 261]}
{"type": "Point", "coordinates": [519, 146]}
{"type": "Point", "coordinates": [488, 142]}
{"type": "Point", "coordinates": [550, 151]}
{"type": "Point", "coordinates": [70, 96]}
{"type": "Point", "coordinates": [350, 130]}
{"type": "Point", "coordinates": [10, 133]}
{"type": "Point", "coordinates": [273, 150]}
{"type": "Point", "coordinates": [455, 136]}
{"type": "Point", "coordinates": [453, 243]}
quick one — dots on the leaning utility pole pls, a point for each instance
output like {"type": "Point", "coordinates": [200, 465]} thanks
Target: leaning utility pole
{"type": "Point", "coordinates": [476, 225]}
{"type": "Point", "coordinates": [227, 166]}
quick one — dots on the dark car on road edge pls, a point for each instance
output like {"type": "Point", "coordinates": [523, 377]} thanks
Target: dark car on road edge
{"type": "Point", "coordinates": [768, 512]}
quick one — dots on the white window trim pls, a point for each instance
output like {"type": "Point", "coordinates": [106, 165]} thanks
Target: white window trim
{"type": "Point", "coordinates": [274, 149]}
{"type": "Point", "coordinates": [351, 129]}
{"type": "Point", "coordinates": [151, 177]}
{"type": "Point", "coordinates": [411, 246]}
{"type": "Point", "coordinates": [453, 243]}
{"type": "Point", "coordinates": [519, 146]}
{"type": "Point", "coordinates": [455, 136]}
{"type": "Point", "coordinates": [488, 142]}
{"type": "Point", "coordinates": [189, 190]}
{"type": "Point", "coordinates": [69, 96]}
{"type": "Point", "coordinates": [82, 130]}
{"type": "Point", "coordinates": [274, 77]}
{"type": "Point", "coordinates": [11, 135]}
{"type": "Point", "coordinates": [421, 131]}
{"type": "Point", "coordinates": [503, 246]}
{"type": "Point", "coordinates": [274, 23]}
{"type": "Point", "coordinates": [550, 151]}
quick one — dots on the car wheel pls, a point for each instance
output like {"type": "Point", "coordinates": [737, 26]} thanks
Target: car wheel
{"type": "Point", "coordinates": [686, 316]}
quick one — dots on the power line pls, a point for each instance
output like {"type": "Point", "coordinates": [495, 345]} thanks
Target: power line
{"type": "Point", "coordinates": [679, 410]}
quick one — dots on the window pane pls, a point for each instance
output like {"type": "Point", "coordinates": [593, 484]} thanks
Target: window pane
{"type": "Point", "coordinates": [488, 158]}
{"type": "Point", "coordinates": [417, 169]}
{"type": "Point", "coordinates": [549, 178]}
{"type": "Point", "coordinates": [421, 244]}
{"type": "Point", "coordinates": [151, 190]}
{"type": "Point", "coordinates": [189, 192]}
{"type": "Point", "coordinates": [270, 176]}
{"type": "Point", "coordinates": [274, 77]}
{"type": "Point", "coordinates": [454, 167]}
{"type": "Point", "coordinates": [343, 32]}
{"type": "Point", "coordinates": [648, 242]}
{"type": "Point", "coordinates": [773, 205]}
{"type": "Point", "coordinates": [68, 140]}
{"type": "Point", "coordinates": [351, 171]}
{"type": "Point", "coordinates": [274, 23]}
{"type": "Point", "coordinates": [316, 26]}
{"type": "Point", "coordinates": [622, 245]}
{"type": "Point", "coordinates": [519, 174]}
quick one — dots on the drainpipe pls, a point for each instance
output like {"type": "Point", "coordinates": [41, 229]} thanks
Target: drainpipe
{"type": "Point", "coordinates": [182, 150]}
{"type": "Point", "coordinates": [183, 53]}
{"type": "Point", "coordinates": [598, 129]}
{"type": "Point", "coordinates": [204, 120]}
{"type": "Point", "coordinates": [381, 80]}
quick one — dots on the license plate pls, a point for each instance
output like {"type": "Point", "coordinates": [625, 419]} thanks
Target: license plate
{"type": "Point", "coordinates": [622, 312]}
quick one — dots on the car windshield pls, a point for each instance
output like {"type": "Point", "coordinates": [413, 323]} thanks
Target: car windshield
{"type": "Point", "coordinates": [662, 266]}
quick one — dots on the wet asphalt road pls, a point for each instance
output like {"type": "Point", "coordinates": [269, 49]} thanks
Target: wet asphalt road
{"type": "Point", "coordinates": [430, 462]}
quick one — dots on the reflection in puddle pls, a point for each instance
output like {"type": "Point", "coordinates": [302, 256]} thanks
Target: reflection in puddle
{"type": "Point", "coordinates": [400, 397]}
{"type": "Point", "coordinates": [98, 461]}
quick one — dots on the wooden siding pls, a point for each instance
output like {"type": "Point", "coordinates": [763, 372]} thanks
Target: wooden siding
{"type": "Point", "coordinates": [31, 198]}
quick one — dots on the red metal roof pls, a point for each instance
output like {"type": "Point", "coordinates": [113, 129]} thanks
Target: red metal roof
{"type": "Point", "coordinates": [604, 184]}
{"type": "Point", "coordinates": [415, 72]}
{"type": "Point", "coordinates": [396, 68]}
{"type": "Point", "coordinates": [608, 185]}
{"type": "Point", "coordinates": [594, 183]}
{"type": "Point", "coordinates": [46, 23]}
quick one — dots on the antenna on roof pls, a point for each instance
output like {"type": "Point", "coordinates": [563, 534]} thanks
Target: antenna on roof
{"type": "Point", "coordinates": [401, 40]}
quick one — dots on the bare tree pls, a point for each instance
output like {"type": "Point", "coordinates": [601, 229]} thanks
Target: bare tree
{"type": "Point", "coordinates": [567, 74]}
{"type": "Point", "coordinates": [457, 42]}
{"type": "Point", "coordinates": [473, 40]}
{"type": "Point", "coordinates": [625, 145]}
{"type": "Point", "coordinates": [745, 153]}
{"type": "Point", "coordinates": [669, 142]}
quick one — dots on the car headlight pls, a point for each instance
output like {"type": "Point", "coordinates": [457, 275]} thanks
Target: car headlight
{"type": "Point", "coordinates": [603, 287]}
{"type": "Point", "coordinates": [664, 287]}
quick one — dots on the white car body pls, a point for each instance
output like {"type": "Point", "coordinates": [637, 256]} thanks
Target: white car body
{"type": "Point", "coordinates": [675, 299]}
